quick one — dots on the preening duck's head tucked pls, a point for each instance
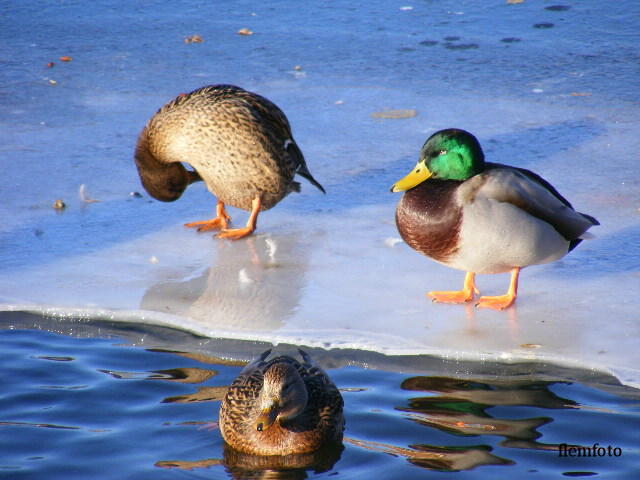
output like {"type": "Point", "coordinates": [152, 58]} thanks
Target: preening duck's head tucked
{"type": "Point", "coordinates": [450, 154]}
{"type": "Point", "coordinates": [283, 395]}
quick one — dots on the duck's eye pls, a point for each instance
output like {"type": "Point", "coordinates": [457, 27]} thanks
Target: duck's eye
{"type": "Point", "coordinates": [442, 152]}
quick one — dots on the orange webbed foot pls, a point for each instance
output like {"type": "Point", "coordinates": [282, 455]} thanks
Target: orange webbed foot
{"type": "Point", "coordinates": [218, 223]}
{"type": "Point", "coordinates": [221, 222]}
{"type": "Point", "coordinates": [500, 302]}
{"type": "Point", "coordinates": [238, 233]}
{"type": "Point", "coordinates": [457, 296]}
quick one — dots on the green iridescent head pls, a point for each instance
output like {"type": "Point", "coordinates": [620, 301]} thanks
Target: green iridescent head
{"type": "Point", "coordinates": [450, 154]}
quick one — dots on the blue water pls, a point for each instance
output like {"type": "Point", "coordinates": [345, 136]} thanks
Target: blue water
{"type": "Point", "coordinates": [102, 408]}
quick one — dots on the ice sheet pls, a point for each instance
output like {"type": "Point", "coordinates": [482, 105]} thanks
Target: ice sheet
{"type": "Point", "coordinates": [324, 271]}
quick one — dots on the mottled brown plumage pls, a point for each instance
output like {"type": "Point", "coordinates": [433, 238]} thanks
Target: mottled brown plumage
{"type": "Point", "coordinates": [238, 142]}
{"type": "Point", "coordinates": [281, 407]}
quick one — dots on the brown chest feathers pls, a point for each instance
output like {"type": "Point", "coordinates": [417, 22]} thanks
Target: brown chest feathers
{"type": "Point", "coordinates": [429, 218]}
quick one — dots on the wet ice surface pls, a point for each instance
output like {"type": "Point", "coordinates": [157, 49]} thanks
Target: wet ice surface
{"type": "Point", "coordinates": [553, 90]}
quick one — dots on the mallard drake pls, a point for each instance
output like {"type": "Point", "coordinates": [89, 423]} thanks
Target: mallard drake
{"type": "Point", "coordinates": [281, 407]}
{"type": "Point", "coordinates": [237, 141]}
{"type": "Point", "coordinates": [482, 217]}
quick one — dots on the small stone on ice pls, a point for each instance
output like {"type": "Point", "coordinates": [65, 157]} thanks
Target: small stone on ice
{"type": "Point", "coordinates": [193, 39]}
{"type": "Point", "coordinates": [395, 114]}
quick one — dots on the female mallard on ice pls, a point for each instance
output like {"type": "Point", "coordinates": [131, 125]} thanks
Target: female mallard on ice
{"type": "Point", "coordinates": [482, 217]}
{"type": "Point", "coordinates": [281, 407]}
{"type": "Point", "coordinates": [238, 142]}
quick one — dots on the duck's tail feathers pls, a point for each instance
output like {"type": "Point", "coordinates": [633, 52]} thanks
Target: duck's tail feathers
{"type": "Point", "coordinates": [301, 169]}
{"type": "Point", "coordinates": [305, 356]}
{"type": "Point", "coordinates": [263, 356]}
{"type": "Point", "coordinates": [584, 235]}
{"type": "Point", "coordinates": [256, 361]}
{"type": "Point", "coordinates": [574, 243]}
{"type": "Point", "coordinates": [304, 172]}
{"type": "Point", "coordinates": [593, 220]}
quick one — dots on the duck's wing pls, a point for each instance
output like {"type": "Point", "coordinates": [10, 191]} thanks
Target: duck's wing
{"type": "Point", "coordinates": [555, 192]}
{"type": "Point", "coordinates": [277, 127]}
{"type": "Point", "coordinates": [324, 396]}
{"type": "Point", "coordinates": [315, 371]}
{"type": "Point", "coordinates": [310, 365]}
{"type": "Point", "coordinates": [530, 193]}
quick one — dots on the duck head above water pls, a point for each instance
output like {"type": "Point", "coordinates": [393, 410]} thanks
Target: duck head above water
{"type": "Point", "coordinates": [283, 396]}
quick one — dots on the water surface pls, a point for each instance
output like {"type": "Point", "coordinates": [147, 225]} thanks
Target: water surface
{"type": "Point", "coordinates": [102, 408]}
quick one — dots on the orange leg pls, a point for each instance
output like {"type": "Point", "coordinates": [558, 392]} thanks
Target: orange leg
{"type": "Point", "coordinates": [458, 296]}
{"type": "Point", "coordinates": [238, 233]}
{"type": "Point", "coordinates": [220, 222]}
{"type": "Point", "coordinates": [501, 302]}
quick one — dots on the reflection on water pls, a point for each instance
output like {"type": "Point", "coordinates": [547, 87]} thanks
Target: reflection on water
{"type": "Point", "coordinates": [182, 375]}
{"type": "Point", "coordinates": [252, 284]}
{"type": "Point", "coordinates": [459, 407]}
{"type": "Point", "coordinates": [241, 465]}
{"type": "Point", "coordinates": [434, 457]}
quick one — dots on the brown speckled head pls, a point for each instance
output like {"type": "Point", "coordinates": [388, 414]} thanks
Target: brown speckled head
{"type": "Point", "coordinates": [283, 396]}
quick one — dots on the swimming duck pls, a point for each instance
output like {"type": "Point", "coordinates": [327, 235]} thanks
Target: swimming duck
{"type": "Point", "coordinates": [281, 407]}
{"type": "Point", "coordinates": [482, 217]}
{"type": "Point", "coordinates": [237, 141]}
